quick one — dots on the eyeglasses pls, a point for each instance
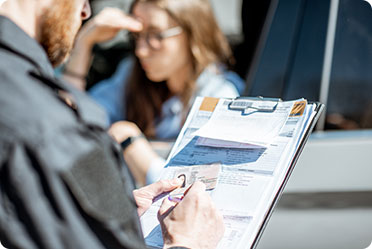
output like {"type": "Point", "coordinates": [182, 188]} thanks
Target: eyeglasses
{"type": "Point", "coordinates": [153, 38]}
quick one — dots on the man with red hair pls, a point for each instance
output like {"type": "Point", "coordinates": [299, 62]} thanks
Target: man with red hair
{"type": "Point", "coordinates": [62, 180]}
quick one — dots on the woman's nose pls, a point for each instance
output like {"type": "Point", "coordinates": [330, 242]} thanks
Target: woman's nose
{"type": "Point", "coordinates": [142, 48]}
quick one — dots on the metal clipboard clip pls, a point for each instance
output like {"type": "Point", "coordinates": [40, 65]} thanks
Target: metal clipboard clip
{"type": "Point", "coordinates": [246, 104]}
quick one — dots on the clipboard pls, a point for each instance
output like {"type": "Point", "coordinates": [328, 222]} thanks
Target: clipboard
{"type": "Point", "coordinates": [243, 103]}
{"type": "Point", "coordinates": [207, 105]}
{"type": "Point", "coordinates": [319, 109]}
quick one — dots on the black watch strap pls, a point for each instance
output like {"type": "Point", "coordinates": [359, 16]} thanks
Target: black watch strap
{"type": "Point", "coordinates": [130, 140]}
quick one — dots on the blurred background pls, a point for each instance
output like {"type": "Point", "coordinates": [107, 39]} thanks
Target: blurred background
{"type": "Point", "coordinates": [320, 50]}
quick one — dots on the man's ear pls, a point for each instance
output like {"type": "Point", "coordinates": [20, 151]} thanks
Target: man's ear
{"type": "Point", "coordinates": [86, 11]}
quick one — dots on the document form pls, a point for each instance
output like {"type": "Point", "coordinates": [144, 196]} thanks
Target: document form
{"type": "Point", "coordinates": [250, 176]}
{"type": "Point", "coordinates": [250, 127]}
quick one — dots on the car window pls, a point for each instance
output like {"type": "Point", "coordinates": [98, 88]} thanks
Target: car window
{"type": "Point", "coordinates": [289, 60]}
{"type": "Point", "coordinates": [350, 92]}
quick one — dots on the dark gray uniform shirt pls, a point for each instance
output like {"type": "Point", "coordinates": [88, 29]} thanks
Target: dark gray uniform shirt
{"type": "Point", "coordinates": [61, 180]}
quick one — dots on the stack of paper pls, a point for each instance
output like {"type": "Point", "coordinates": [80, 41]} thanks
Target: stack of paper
{"type": "Point", "coordinates": [245, 126]}
{"type": "Point", "coordinates": [255, 147]}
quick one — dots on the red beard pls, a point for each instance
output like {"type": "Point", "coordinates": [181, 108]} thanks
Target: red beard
{"type": "Point", "coordinates": [59, 26]}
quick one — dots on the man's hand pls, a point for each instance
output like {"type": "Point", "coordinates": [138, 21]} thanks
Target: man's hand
{"type": "Point", "coordinates": [106, 25]}
{"type": "Point", "coordinates": [193, 223]}
{"type": "Point", "coordinates": [144, 196]}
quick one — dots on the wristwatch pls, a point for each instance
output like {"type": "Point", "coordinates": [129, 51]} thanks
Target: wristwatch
{"type": "Point", "coordinates": [130, 140]}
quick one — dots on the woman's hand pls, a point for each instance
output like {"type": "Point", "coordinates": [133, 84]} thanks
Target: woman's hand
{"type": "Point", "coordinates": [106, 25]}
{"type": "Point", "coordinates": [101, 28]}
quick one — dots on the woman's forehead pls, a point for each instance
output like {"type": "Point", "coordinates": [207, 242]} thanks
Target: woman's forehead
{"type": "Point", "coordinates": [152, 16]}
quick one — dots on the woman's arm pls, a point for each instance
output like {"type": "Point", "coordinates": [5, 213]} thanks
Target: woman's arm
{"type": "Point", "coordinates": [103, 27]}
{"type": "Point", "coordinates": [139, 154]}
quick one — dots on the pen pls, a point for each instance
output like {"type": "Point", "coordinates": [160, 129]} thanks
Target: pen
{"type": "Point", "coordinates": [175, 198]}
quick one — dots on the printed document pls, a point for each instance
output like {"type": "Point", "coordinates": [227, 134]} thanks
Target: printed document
{"type": "Point", "coordinates": [244, 178]}
{"type": "Point", "coordinates": [250, 127]}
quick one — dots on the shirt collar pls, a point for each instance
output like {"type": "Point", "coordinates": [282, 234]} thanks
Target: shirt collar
{"type": "Point", "coordinates": [14, 38]}
{"type": "Point", "coordinates": [172, 106]}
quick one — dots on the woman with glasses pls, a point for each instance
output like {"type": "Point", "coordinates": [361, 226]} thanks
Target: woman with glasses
{"type": "Point", "coordinates": [180, 53]}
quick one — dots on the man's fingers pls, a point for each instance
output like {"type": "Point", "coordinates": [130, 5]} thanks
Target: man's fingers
{"type": "Point", "coordinates": [165, 208]}
{"type": "Point", "coordinates": [160, 187]}
{"type": "Point", "coordinates": [196, 188]}
{"type": "Point", "coordinates": [165, 186]}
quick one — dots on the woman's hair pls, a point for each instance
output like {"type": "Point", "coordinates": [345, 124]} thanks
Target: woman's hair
{"type": "Point", "coordinates": [207, 44]}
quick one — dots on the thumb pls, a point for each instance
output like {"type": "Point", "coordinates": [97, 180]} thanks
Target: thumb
{"type": "Point", "coordinates": [162, 186]}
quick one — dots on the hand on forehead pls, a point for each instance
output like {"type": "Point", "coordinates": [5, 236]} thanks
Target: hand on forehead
{"type": "Point", "coordinates": [152, 16]}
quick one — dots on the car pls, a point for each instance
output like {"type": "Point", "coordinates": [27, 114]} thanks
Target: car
{"type": "Point", "coordinates": [321, 50]}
